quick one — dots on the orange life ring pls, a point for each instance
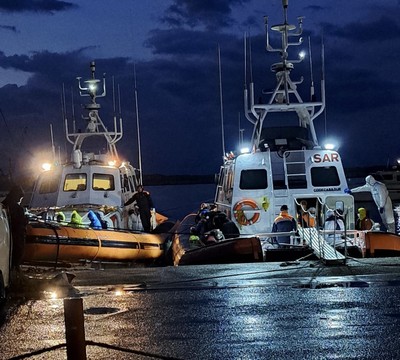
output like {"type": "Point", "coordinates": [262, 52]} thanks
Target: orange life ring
{"type": "Point", "coordinates": [240, 207]}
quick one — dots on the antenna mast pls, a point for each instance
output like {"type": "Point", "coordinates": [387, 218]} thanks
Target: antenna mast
{"type": "Point", "coordinates": [221, 102]}
{"type": "Point", "coordinates": [53, 149]}
{"type": "Point", "coordinates": [137, 125]}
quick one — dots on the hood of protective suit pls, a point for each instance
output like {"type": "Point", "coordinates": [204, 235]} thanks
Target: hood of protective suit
{"type": "Point", "coordinates": [362, 213]}
{"type": "Point", "coordinates": [329, 213]}
{"type": "Point", "coordinates": [370, 180]}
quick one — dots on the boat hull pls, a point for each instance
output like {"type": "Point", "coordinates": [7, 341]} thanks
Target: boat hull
{"type": "Point", "coordinates": [240, 250]}
{"type": "Point", "coordinates": [46, 242]}
{"type": "Point", "coordinates": [382, 244]}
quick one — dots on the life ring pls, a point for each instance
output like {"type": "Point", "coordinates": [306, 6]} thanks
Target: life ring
{"type": "Point", "coordinates": [243, 205]}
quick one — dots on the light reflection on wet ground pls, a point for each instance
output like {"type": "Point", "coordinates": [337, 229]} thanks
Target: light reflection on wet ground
{"type": "Point", "coordinates": [239, 311]}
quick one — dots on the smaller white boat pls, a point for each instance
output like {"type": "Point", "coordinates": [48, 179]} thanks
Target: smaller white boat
{"type": "Point", "coordinates": [95, 181]}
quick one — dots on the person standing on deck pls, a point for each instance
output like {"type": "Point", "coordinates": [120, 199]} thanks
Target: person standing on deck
{"type": "Point", "coordinates": [284, 223]}
{"type": "Point", "coordinates": [145, 204]}
{"type": "Point", "coordinates": [18, 222]}
{"type": "Point", "coordinates": [382, 200]}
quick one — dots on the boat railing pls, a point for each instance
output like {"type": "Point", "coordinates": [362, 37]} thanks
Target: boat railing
{"type": "Point", "coordinates": [270, 237]}
{"type": "Point", "coordinates": [340, 238]}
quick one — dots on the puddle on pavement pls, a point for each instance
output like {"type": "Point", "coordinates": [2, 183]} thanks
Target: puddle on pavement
{"type": "Point", "coordinates": [101, 310]}
{"type": "Point", "coordinates": [332, 284]}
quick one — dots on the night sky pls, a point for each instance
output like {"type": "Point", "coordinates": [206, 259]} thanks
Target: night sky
{"type": "Point", "coordinates": [46, 44]}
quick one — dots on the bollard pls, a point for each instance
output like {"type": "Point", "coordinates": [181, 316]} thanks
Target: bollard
{"type": "Point", "coordinates": [74, 329]}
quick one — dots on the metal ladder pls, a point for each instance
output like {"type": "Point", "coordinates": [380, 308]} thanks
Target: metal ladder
{"type": "Point", "coordinates": [321, 248]}
{"type": "Point", "coordinates": [295, 170]}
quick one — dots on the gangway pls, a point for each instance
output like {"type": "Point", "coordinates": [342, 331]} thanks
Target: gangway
{"type": "Point", "coordinates": [321, 248]}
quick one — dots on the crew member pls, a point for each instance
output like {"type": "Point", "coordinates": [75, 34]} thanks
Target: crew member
{"type": "Point", "coordinates": [145, 204]}
{"type": "Point", "coordinates": [76, 219]}
{"type": "Point", "coordinates": [382, 200]}
{"type": "Point", "coordinates": [18, 222]}
{"type": "Point", "coordinates": [284, 223]}
{"type": "Point", "coordinates": [363, 222]}
{"type": "Point", "coordinates": [94, 220]}
{"type": "Point", "coordinates": [228, 227]}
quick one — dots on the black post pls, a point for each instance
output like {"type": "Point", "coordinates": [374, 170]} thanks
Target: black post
{"type": "Point", "coordinates": [74, 329]}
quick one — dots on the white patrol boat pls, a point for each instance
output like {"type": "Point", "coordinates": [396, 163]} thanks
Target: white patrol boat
{"type": "Point", "coordinates": [92, 183]}
{"type": "Point", "coordinates": [286, 164]}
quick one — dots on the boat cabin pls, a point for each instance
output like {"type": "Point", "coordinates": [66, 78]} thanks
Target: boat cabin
{"type": "Point", "coordinates": [286, 165]}
{"type": "Point", "coordinates": [260, 183]}
{"type": "Point", "coordinates": [94, 177]}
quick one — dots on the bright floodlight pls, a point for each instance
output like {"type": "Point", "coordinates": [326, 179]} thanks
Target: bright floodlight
{"type": "Point", "coordinates": [244, 150]}
{"type": "Point", "coordinates": [302, 55]}
{"type": "Point", "coordinates": [329, 146]}
{"type": "Point", "coordinates": [112, 163]}
{"type": "Point", "coordinates": [398, 161]}
{"type": "Point", "coordinates": [46, 166]}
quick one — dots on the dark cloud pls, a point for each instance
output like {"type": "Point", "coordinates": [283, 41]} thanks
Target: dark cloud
{"type": "Point", "coordinates": [357, 93]}
{"type": "Point", "coordinates": [209, 13]}
{"type": "Point", "coordinates": [9, 28]}
{"type": "Point", "coordinates": [45, 6]}
{"type": "Point", "coordinates": [52, 65]}
{"type": "Point", "coordinates": [180, 42]}
{"type": "Point", "coordinates": [27, 111]}
{"type": "Point", "coordinates": [315, 8]}
{"type": "Point", "coordinates": [178, 90]}
{"type": "Point", "coordinates": [383, 29]}
{"type": "Point", "coordinates": [177, 103]}
{"type": "Point", "coordinates": [251, 21]}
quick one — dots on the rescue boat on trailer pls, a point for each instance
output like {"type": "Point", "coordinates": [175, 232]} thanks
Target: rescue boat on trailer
{"type": "Point", "coordinates": [287, 166]}
{"type": "Point", "coordinates": [91, 183]}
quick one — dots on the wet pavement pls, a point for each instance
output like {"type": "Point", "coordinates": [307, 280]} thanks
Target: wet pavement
{"type": "Point", "coordinates": [242, 311]}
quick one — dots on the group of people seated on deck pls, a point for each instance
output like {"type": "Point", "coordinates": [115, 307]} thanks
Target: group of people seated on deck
{"type": "Point", "coordinates": [334, 224]}
{"type": "Point", "coordinates": [211, 226]}
{"type": "Point", "coordinates": [96, 222]}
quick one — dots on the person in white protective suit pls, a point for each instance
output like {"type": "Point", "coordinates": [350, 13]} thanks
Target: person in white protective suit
{"type": "Point", "coordinates": [382, 200]}
{"type": "Point", "coordinates": [334, 223]}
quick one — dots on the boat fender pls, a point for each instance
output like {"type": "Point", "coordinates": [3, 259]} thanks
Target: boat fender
{"type": "Point", "coordinates": [241, 218]}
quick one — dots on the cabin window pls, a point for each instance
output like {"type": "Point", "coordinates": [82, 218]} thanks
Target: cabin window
{"type": "Point", "coordinates": [103, 182]}
{"type": "Point", "coordinates": [49, 185]}
{"type": "Point", "coordinates": [75, 182]}
{"type": "Point", "coordinates": [253, 179]}
{"type": "Point", "coordinates": [325, 176]}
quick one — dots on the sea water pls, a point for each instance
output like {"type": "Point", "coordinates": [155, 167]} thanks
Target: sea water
{"type": "Point", "coordinates": [177, 201]}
